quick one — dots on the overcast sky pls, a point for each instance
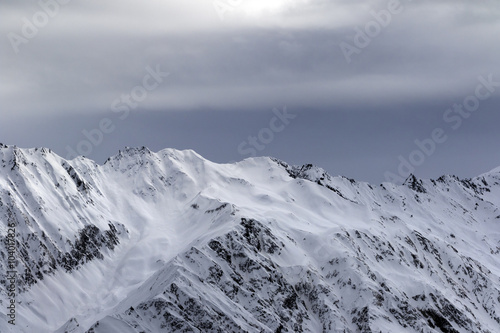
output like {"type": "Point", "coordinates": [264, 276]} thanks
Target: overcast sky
{"type": "Point", "coordinates": [348, 85]}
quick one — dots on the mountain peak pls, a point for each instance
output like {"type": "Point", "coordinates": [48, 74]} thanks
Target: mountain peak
{"type": "Point", "coordinates": [415, 184]}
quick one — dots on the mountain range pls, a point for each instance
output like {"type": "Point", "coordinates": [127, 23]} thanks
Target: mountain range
{"type": "Point", "coordinates": [171, 242]}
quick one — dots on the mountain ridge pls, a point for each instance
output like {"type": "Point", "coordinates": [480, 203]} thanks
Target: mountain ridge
{"type": "Point", "coordinates": [278, 247]}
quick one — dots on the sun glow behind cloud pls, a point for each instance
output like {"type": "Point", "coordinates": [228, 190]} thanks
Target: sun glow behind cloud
{"type": "Point", "coordinates": [295, 14]}
{"type": "Point", "coordinates": [257, 8]}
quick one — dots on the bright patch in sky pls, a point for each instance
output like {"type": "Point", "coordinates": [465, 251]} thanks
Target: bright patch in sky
{"type": "Point", "coordinates": [258, 8]}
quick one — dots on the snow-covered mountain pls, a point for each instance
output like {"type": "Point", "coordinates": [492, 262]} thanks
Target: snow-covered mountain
{"type": "Point", "coordinates": [171, 242]}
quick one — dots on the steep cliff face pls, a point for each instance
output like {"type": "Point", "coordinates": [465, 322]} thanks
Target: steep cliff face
{"type": "Point", "coordinates": [169, 241]}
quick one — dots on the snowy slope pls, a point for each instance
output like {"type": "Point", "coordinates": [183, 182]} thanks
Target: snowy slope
{"type": "Point", "coordinates": [171, 242]}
